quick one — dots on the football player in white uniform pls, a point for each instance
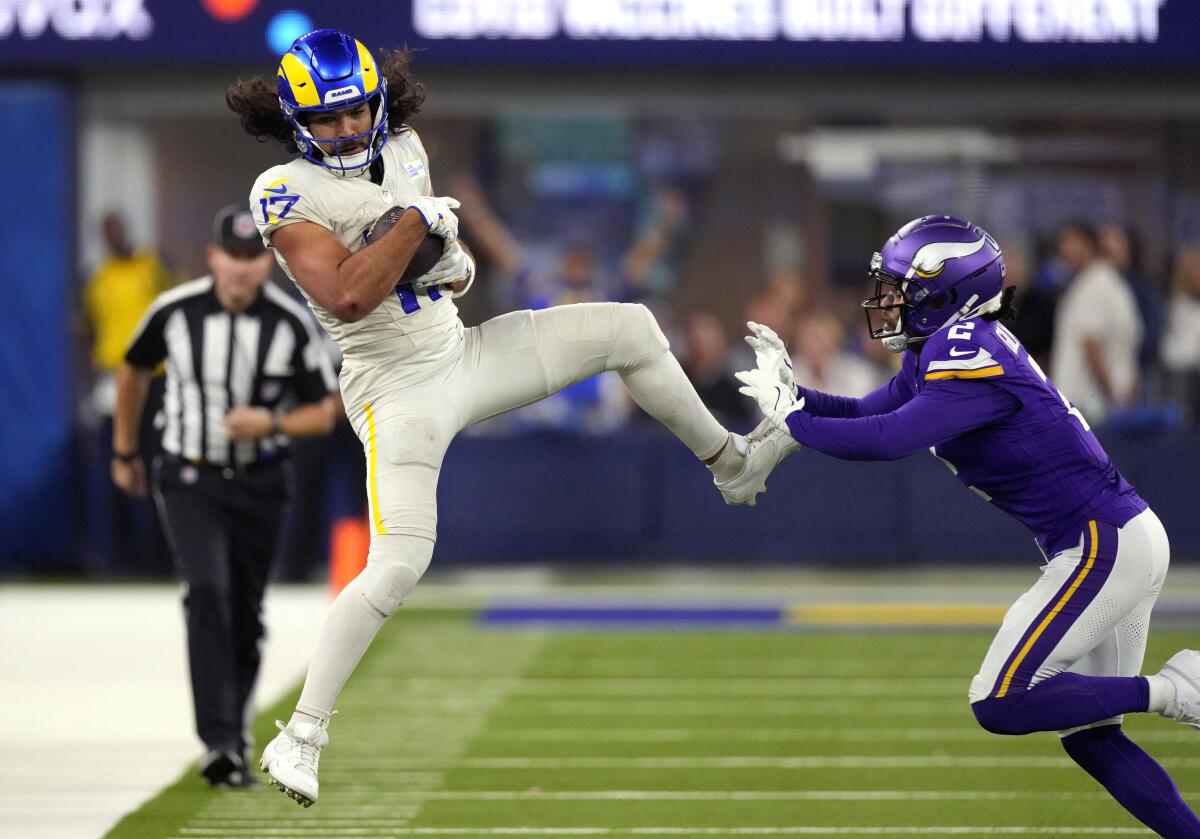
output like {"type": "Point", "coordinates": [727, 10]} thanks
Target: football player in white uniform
{"type": "Point", "coordinates": [413, 376]}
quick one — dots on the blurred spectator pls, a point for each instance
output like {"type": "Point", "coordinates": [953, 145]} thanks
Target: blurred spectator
{"type": "Point", "coordinates": [1181, 342]}
{"type": "Point", "coordinates": [115, 296]}
{"type": "Point", "coordinates": [778, 300]}
{"type": "Point", "coordinates": [649, 266]}
{"type": "Point", "coordinates": [820, 360]}
{"type": "Point", "coordinates": [122, 533]}
{"type": "Point", "coordinates": [571, 269]}
{"type": "Point", "coordinates": [1122, 247]}
{"type": "Point", "coordinates": [1039, 283]}
{"type": "Point", "coordinates": [705, 360]}
{"type": "Point", "coordinates": [1097, 329]}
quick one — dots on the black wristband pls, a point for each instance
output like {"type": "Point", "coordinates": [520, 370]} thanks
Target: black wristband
{"type": "Point", "coordinates": [129, 457]}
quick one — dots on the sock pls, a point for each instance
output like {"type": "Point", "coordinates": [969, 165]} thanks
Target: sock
{"type": "Point", "coordinates": [357, 615]}
{"type": "Point", "coordinates": [730, 461]}
{"type": "Point", "coordinates": [1067, 700]}
{"type": "Point", "coordinates": [659, 386]}
{"type": "Point", "coordinates": [1162, 693]}
{"type": "Point", "coordinates": [1134, 779]}
{"type": "Point", "coordinates": [349, 629]}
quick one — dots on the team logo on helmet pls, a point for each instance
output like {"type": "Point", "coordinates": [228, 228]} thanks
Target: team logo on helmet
{"type": "Point", "coordinates": [931, 260]}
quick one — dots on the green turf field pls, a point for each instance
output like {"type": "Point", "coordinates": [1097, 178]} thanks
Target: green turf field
{"type": "Point", "coordinates": [449, 728]}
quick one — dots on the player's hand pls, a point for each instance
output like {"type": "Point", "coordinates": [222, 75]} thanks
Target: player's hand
{"type": "Point", "coordinates": [770, 354]}
{"type": "Point", "coordinates": [246, 423]}
{"type": "Point", "coordinates": [438, 215]}
{"type": "Point", "coordinates": [774, 399]}
{"type": "Point", "coordinates": [129, 476]}
{"type": "Point", "coordinates": [455, 266]}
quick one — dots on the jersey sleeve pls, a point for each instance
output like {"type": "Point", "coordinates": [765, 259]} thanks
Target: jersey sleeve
{"type": "Point", "coordinates": [960, 355]}
{"type": "Point", "coordinates": [148, 346]}
{"type": "Point", "coordinates": [278, 199]}
{"type": "Point", "coordinates": [938, 413]}
{"type": "Point", "coordinates": [880, 401]}
{"type": "Point", "coordinates": [883, 399]}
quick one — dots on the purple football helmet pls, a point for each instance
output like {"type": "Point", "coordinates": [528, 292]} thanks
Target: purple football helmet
{"type": "Point", "coordinates": [934, 271]}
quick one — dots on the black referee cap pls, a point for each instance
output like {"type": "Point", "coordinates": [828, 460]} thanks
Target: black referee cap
{"type": "Point", "coordinates": [235, 233]}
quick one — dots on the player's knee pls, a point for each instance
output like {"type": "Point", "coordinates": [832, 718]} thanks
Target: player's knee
{"type": "Point", "coordinates": [996, 715]}
{"type": "Point", "coordinates": [638, 336]}
{"type": "Point", "coordinates": [394, 566]}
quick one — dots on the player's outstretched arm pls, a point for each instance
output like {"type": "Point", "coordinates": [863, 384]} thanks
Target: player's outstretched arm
{"type": "Point", "coordinates": [937, 414]}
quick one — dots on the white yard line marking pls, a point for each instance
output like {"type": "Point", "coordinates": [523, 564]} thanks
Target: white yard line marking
{"type": "Point", "coordinates": [769, 735]}
{"type": "Point", "coordinates": [716, 795]}
{"type": "Point", "coordinates": [735, 762]}
{"type": "Point", "coordinates": [799, 830]}
{"type": "Point", "coordinates": [716, 686]}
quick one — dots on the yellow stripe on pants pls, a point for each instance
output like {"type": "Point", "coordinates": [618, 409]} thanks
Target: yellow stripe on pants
{"type": "Point", "coordinates": [1057, 608]}
{"type": "Point", "coordinates": [372, 481]}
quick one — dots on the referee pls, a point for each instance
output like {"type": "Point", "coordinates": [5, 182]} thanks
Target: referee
{"type": "Point", "coordinates": [244, 372]}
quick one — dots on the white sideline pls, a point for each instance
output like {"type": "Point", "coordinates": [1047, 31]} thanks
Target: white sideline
{"type": "Point", "coordinates": [96, 701]}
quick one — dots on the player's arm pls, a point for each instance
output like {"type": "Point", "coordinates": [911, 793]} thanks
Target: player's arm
{"type": "Point", "coordinates": [348, 285]}
{"type": "Point", "coordinates": [882, 400]}
{"type": "Point", "coordinates": [940, 412]}
{"type": "Point", "coordinates": [128, 470]}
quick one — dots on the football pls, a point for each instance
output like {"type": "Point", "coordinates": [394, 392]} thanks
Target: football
{"type": "Point", "coordinates": [424, 258]}
{"type": "Point", "coordinates": [427, 253]}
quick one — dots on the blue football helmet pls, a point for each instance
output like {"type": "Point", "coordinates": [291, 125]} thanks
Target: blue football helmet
{"type": "Point", "coordinates": [324, 71]}
{"type": "Point", "coordinates": [934, 271]}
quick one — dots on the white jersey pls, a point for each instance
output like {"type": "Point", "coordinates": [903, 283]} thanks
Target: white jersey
{"type": "Point", "coordinates": [411, 334]}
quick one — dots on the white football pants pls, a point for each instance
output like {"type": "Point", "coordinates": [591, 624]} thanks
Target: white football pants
{"type": "Point", "coordinates": [505, 363]}
{"type": "Point", "coordinates": [1089, 613]}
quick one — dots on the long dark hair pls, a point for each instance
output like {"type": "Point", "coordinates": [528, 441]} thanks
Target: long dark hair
{"type": "Point", "coordinates": [1006, 311]}
{"type": "Point", "coordinates": [256, 103]}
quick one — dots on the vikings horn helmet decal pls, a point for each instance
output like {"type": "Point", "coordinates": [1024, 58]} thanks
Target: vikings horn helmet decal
{"type": "Point", "coordinates": [934, 271]}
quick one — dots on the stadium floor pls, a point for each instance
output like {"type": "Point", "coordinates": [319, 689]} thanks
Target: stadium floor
{"type": "Point", "coordinates": [529, 703]}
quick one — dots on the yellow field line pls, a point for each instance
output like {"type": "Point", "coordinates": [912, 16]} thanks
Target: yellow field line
{"type": "Point", "coordinates": [896, 614]}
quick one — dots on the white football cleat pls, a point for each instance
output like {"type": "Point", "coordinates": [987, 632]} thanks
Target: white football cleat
{"type": "Point", "coordinates": [1183, 671]}
{"type": "Point", "coordinates": [766, 446]}
{"type": "Point", "coordinates": [291, 759]}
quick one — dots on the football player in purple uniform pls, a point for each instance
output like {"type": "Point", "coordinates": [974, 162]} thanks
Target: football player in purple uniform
{"type": "Point", "coordinates": [1068, 654]}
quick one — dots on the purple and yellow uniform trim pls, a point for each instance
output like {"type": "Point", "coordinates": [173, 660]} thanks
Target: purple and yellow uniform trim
{"type": "Point", "coordinates": [982, 373]}
{"type": "Point", "coordinates": [1099, 549]}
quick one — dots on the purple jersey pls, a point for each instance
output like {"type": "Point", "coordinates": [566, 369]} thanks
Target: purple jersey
{"type": "Point", "coordinates": [977, 401]}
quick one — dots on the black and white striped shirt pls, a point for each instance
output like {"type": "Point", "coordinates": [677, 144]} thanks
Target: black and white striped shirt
{"type": "Point", "coordinates": [267, 356]}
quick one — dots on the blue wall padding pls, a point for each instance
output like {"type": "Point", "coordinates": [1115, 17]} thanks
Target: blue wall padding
{"type": "Point", "coordinates": [36, 409]}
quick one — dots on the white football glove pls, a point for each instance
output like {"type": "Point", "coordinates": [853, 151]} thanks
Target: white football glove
{"type": "Point", "coordinates": [774, 399]}
{"type": "Point", "coordinates": [455, 266]}
{"type": "Point", "coordinates": [438, 216]}
{"type": "Point", "coordinates": [770, 354]}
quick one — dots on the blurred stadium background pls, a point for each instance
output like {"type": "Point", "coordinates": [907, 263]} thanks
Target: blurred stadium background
{"type": "Point", "coordinates": [716, 160]}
